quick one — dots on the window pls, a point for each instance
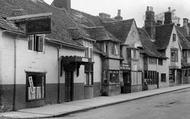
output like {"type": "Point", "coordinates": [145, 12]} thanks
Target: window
{"type": "Point", "coordinates": [114, 49]}
{"type": "Point", "coordinates": [152, 61]}
{"type": "Point", "coordinates": [128, 51]}
{"type": "Point", "coordinates": [174, 55]}
{"type": "Point", "coordinates": [36, 43]}
{"type": "Point", "coordinates": [160, 61]}
{"type": "Point", "coordinates": [163, 77]}
{"type": "Point", "coordinates": [105, 48]}
{"type": "Point", "coordinates": [114, 76]}
{"type": "Point", "coordinates": [151, 77]}
{"type": "Point", "coordinates": [134, 54]}
{"type": "Point", "coordinates": [35, 83]}
{"type": "Point", "coordinates": [174, 37]}
{"type": "Point", "coordinates": [89, 74]}
{"type": "Point", "coordinates": [89, 52]}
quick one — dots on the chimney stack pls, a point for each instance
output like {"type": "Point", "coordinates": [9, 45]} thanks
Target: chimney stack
{"type": "Point", "coordinates": [185, 25]}
{"type": "Point", "coordinates": [104, 15]}
{"type": "Point", "coordinates": [168, 16]}
{"type": "Point", "coordinates": [118, 17]}
{"type": "Point", "coordinates": [62, 4]}
{"type": "Point", "coordinates": [150, 22]}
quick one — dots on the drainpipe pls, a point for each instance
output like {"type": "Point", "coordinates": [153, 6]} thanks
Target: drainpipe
{"type": "Point", "coordinates": [58, 85]}
{"type": "Point", "coordinates": [14, 86]}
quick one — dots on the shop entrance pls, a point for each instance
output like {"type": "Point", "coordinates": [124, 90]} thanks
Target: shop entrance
{"type": "Point", "coordinates": [127, 82]}
{"type": "Point", "coordinates": [69, 88]}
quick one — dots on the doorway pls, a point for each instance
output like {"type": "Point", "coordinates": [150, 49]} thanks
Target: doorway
{"type": "Point", "coordinates": [69, 89]}
{"type": "Point", "coordinates": [127, 82]}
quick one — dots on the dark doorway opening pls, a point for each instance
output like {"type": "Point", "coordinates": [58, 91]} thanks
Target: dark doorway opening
{"type": "Point", "coordinates": [69, 88]}
{"type": "Point", "coordinates": [127, 82]}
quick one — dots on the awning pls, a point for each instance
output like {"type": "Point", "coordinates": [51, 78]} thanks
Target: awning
{"type": "Point", "coordinates": [74, 59]}
{"type": "Point", "coordinates": [71, 63]}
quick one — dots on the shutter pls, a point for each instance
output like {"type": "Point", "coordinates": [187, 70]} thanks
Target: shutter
{"type": "Point", "coordinates": [91, 52]}
{"type": "Point", "coordinates": [40, 44]}
{"type": "Point", "coordinates": [30, 42]}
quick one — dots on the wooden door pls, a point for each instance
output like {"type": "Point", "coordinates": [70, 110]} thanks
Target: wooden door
{"type": "Point", "coordinates": [68, 86]}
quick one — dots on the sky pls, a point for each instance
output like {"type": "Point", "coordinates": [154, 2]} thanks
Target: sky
{"type": "Point", "coordinates": [131, 8]}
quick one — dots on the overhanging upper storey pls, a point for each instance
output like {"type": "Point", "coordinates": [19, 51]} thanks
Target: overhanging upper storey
{"type": "Point", "coordinates": [33, 23]}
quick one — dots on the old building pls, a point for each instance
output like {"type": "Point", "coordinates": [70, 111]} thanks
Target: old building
{"type": "Point", "coordinates": [166, 39]}
{"type": "Point", "coordinates": [44, 67]}
{"type": "Point", "coordinates": [131, 65]}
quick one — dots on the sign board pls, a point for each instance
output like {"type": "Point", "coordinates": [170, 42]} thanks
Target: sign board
{"type": "Point", "coordinates": [38, 26]}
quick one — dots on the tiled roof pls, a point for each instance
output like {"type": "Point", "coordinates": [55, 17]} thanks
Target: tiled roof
{"type": "Point", "coordinates": [99, 33]}
{"type": "Point", "coordinates": [183, 41]}
{"type": "Point", "coordinates": [163, 34]}
{"type": "Point", "coordinates": [61, 19]}
{"type": "Point", "coordinates": [120, 29]}
{"type": "Point", "coordinates": [149, 48]}
{"type": "Point", "coordinates": [85, 19]}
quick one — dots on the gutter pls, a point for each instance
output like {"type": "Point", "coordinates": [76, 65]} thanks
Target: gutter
{"type": "Point", "coordinates": [14, 86]}
{"type": "Point", "coordinates": [58, 85]}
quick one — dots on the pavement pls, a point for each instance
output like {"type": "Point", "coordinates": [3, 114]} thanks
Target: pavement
{"type": "Point", "coordinates": [87, 104]}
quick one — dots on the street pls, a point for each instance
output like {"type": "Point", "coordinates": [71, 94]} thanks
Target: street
{"type": "Point", "coordinates": [174, 105]}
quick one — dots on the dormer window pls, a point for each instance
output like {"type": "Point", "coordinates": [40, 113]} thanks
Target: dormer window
{"type": "Point", "coordinates": [174, 37]}
{"type": "Point", "coordinates": [36, 43]}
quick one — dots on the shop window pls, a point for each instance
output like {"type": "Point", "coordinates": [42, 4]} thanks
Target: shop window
{"type": "Point", "coordinates": [35, 84]}
{"type": "Point", "coordinates": [174, 55]}
{"type": "Point", "coordinates": [151, 77]}
{"type": "Point", "coordinates": [114, 76]}
{"type": "Point", "coordinates": [89, 74]}
{"type": "Point", "coordinates": [163, 77]}
{"type": "Point", "coordinates": [160, 61]}
{"type": "Point", "coordinates": [36, 43]}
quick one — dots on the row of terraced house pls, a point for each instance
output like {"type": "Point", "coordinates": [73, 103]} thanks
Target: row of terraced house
{"type": "Point", "coordinates": [54, 54]}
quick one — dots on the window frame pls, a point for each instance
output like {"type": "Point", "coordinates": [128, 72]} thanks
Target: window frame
{"type": "Point", "coordinates": [174, 37]}
{"type": "Point", "coordinates": [160, 61]}
{"type": "Point", "coordinates": [42, 74]}
{"type": "Point", "coordinates": [112, 72]}
{"type": "Point", "coordinates": [89, 72]}
{"type": "Point", "coordinates": [36, 43]}
{"type": "Point", "coordinates": [174, 58]}
{"type": "Point", "coordinates": [163, 77]}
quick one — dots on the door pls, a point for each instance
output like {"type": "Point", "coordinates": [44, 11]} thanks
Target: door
{"type": "Point", "coordinates": [68, 86]}
{"type": "Point", "coordinates": [127, 82]}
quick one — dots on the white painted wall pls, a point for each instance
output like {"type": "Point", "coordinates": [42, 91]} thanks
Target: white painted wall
{"type": "Point", "coordinates": [72, 52]}
{"type": "Point", "coordinates": [174, 44]}
{"type": "Point", "coordinates": [26, 60]}
{"type": "Point", "coordinates": [133, 38]}
{"type": "Point", "coordinates": [163, 69]}
{"type": "Point", "coordinates": [97, 68]}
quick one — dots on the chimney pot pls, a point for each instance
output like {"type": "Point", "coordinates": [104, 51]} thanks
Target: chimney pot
{"type": "Point", "coordinates": [119, 13]}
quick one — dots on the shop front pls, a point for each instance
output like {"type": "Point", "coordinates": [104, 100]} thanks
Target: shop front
{"type": "Point", "coordinates": [71, 66]}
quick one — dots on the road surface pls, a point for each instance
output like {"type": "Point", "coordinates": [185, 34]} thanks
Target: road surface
{"type": "Point", "coordinates": [174, 105]}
